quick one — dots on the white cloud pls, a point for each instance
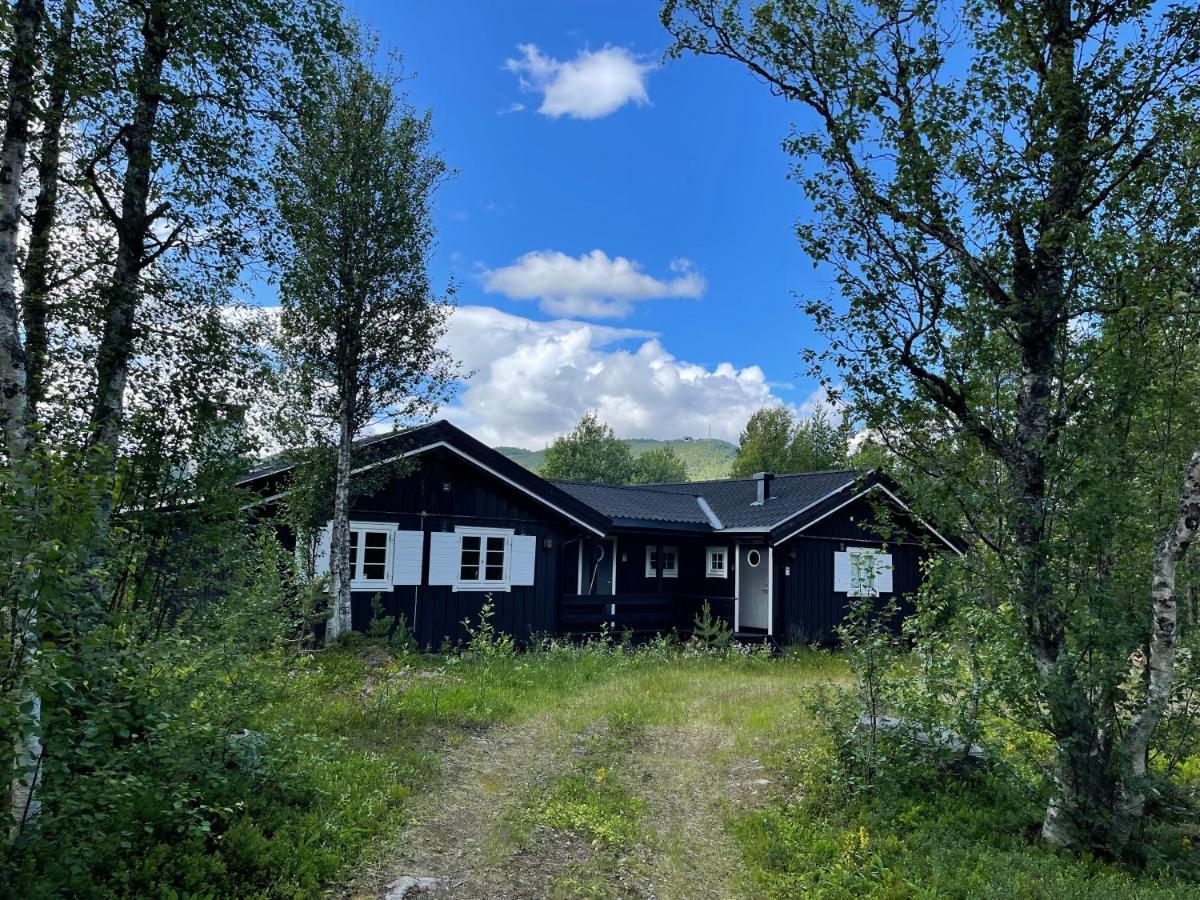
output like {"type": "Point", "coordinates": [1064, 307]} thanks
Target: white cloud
{"type": "Point", "coordinates": [592, 285]}
{"type": "Point", "coordinates": [590, 86]}
{"type": "Point", "coordinates": [534, 380]}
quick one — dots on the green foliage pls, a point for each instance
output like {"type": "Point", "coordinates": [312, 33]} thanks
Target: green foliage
{"type": "Point", "coordinates": [712, 632]}
{"type": "Point", "coordinates": [595, 806]}
{"type": "Point", "coordinates": [484, 639]}
{"type": "Point", "coordinates": [703, 458]}
{"type": "Point", "coordinates": [1007, 197]}
{"type": "Point", "coordinates": [658, 464]}
{"type": "Point", "coordinates": [775, 440]}
{"type": "Point", "coordinates": [956, 840]}
{"type": "Point", "coordinates": [358, 172]}
{"type": "Point", "coordinates": [590, 452]}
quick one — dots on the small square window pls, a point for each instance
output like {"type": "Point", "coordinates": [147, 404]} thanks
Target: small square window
{"type": "Point", "coordinates": [670, 562]}
{"type": "Point", "coordinates": [718, 562]}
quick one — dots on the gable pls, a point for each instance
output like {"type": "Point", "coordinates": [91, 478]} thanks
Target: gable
{"type": "Point", "coordinates": [271, 482]}
{"type": "Point", "coordinates": [854, 516]}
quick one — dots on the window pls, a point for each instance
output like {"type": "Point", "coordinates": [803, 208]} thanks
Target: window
{"type": "Point", "coordinates": [670, 563]}
{"type": "Point", "coordinates": [370, 556]}
{"type": "Point", "coordinates": [753, 558]}
{"type": "Point", "coordinates": [483, 558]}
{"type": "Point", "coordinates": [862, 572]}
{"type": "Point", "coordinates": [718, 562]}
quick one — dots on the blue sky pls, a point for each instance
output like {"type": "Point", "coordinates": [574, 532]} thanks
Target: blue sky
{"type": "Point", "coordinates": [620, 230]}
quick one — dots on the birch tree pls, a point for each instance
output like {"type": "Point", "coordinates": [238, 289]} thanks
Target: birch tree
{"type": "Point", "coordinates": [62, 72]}
{"type": "Point", "coordinates": [177, 136]}
{"type": "Point", "coordinates": [26, 23]}
{"type": "Point", "coordinates": [1004, 192]}
{"type": "Point", "coordinates": [361, 322]}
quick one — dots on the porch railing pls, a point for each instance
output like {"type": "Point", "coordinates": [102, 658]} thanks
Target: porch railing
{"type": "Point", "coordinates": [645, 615]}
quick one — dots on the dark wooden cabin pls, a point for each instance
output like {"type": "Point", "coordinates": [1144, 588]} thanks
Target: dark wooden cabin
{"type": "Point", "coordinates": [778, 557]}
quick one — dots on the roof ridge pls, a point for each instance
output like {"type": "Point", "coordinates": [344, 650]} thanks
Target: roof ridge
{"type": "Point", "coordinates": [628, 487]}
{"type": "Point", "coordinates": [750, 478]}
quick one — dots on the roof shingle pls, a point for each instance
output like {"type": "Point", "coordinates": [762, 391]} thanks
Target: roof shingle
{"type": "Point", "coordinates": [731, 500]}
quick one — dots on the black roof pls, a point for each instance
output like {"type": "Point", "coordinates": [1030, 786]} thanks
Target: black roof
{"type": "Point", "coordinates": [698, 507]}
{"type": "Point", "coordinates": [733, 500]}
{"type": "Point", "coordinates": [639, 504]}
{"type": "Point", "coordinates": [731, 503]}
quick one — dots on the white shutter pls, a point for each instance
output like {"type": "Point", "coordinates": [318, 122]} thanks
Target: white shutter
{"type": "Point", "coordinates": [883, 573]}
{"type": "Point", "coordinates": [524, 559]}
{"type": "Point", "coordinates": [407, 556]}
{"type": "Point", "coordinates": [321, 550]}
{"type": "Point", "coordinates": [443, 557]}
{"type": "Point", "coordinates": [841, 572]}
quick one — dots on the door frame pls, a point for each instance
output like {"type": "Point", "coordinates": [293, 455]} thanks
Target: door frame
{"type": "Point", "coordinates": [737, 586]}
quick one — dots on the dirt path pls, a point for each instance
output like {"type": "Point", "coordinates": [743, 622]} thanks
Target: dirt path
{"type": "Point", "coordinates": [472, 835]}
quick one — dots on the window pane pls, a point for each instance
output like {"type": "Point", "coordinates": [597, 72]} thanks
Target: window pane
{"type": "Point", "coordinates": [472, 545]}
{"type": "Point", "coordinates": [495, 543]}
{"type": "Point", "coordinates": [353, 554]}
{"type": "Point", "coordinates": [374, 556]}
{"type": "Point", "coordinates": [668, 560]}
{"type": "Point", "coordinates": [653, 560]}
{"type": "Point", "coordinates": [494, 573]}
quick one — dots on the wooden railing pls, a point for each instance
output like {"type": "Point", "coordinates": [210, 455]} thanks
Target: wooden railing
{"type": "Point", "coordinates": [645, 615]}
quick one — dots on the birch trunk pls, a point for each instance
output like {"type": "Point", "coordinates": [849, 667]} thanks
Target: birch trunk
{"type": "Point", "coordinates": [132, 225]}
{"type": "Point", "coordinates": [339, 549]}
{"type": "Point", "coordinates": [26, 805]}
{"type": "Point", "coordinates": [27, 16]}
{"type": "Point", "coordinates": [37, 262]}
{"type": "Point", "coordinates": [1131, 799]}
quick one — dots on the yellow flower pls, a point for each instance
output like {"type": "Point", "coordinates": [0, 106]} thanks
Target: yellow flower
{"type": "Point", "coordinates": [601, 775]}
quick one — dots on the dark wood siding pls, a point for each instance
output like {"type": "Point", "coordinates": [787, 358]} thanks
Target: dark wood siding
{"type": "Point", "coordinates": [693, 564]}
{"type": "Point", "coordinates": [442, 492]}
{"type": "Point", "coordinates": [810, 608]}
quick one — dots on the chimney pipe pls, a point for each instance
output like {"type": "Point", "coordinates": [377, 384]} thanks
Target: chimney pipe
{"type": "Point", "coordinates": [763, 480]}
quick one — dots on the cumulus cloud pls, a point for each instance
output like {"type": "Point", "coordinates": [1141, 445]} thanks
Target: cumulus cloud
{"type": "Point", "coordinates": [534, 380]}
{"type": "Point", "coordinates": [592, 85]}
{"type": "Point", "coordinates": [592, 285]}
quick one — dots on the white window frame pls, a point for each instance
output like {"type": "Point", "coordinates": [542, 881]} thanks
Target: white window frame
{"type": "Point", "coordinates": [504, 584]}
{"type": "Point", "coordinates": [672, 572]}
{"type": "Point", "coordinates": [863, 571]}
{"type": "Point", "coordinates": [357, 582]}
{"type": "Point", "coordinates": [710, 570]}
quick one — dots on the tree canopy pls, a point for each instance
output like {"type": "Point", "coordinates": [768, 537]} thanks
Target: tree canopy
{"type": "Point", "coordinates": [776, 440]}
{"type": "Point", "coordinates": [1006, 193]}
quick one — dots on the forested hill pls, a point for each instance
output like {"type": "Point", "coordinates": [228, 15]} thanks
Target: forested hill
{"type": "Point", "coordinates": [705, 457]}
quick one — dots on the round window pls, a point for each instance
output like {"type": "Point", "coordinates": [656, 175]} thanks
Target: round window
{"type": "Point", "coordinates": [753, 558]}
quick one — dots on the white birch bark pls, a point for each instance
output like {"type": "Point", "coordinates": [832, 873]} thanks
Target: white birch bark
{"type": "Point", "coordinates": [27, 20]}
{"type": "Point", "coordinates": [27, 745]}
{"type": "Point", "coordinates": [1131, 799]}
{"type": "Point", "coordinates": [339, 548]}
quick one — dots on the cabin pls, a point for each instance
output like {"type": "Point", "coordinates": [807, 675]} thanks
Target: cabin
{"type": "Point", "coordinates": [778, 557]}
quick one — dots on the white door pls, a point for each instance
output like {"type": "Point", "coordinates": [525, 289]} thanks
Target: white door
{"type": "Point", "coordinates": [754, 587]}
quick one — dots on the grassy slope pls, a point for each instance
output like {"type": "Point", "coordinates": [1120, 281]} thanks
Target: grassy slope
{"type": "Point", "coordinates": [602, 774]}
{"type": "Point", "coordinates": [705, 457]}
{"type": "Point", "coordinates": [594, 772]}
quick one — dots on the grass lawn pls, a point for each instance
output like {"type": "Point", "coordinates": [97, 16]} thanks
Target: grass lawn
{"type": "Point", "coordinates": [573, 772]}
{"type": "Point", "coordinates": [599, 773]}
